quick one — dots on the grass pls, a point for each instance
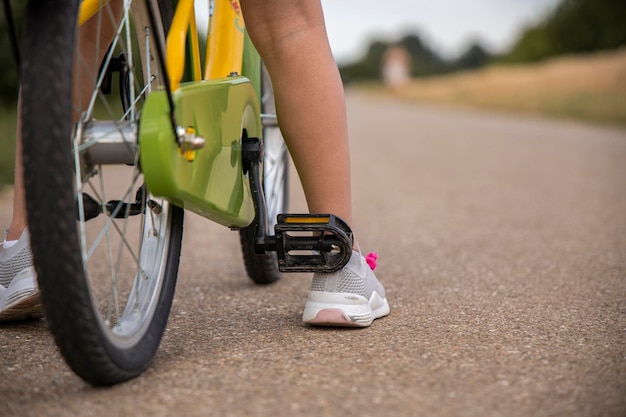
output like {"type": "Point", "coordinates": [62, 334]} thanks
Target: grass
{"type": "Point", "coordinates": [585, 87]}
{"type": "Point", "coordinates": [7, 144]}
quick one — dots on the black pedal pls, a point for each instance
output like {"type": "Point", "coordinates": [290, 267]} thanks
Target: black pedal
{"type": "Point", "coordinates": [312, 242]}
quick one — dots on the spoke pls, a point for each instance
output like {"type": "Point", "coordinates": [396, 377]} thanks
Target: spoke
{"type": "Point", "coordinates": [277, 184]}
{"type": "Point", "coordinates": [118, 264]}
{"type": "Point", "coordinates": [148, 70]}
{"type": "Point", "coordinates": [139, 97]}
{"type": "Point", "coordinates": [97, 194]}
{"type": "Point", "coordinates": [131, 62]}
{"type": "Point", "coordinates": [131, 251]}
{"type": "Point", "coordinates": [113, 299]}
{"type": "Point", "coordinates": [274, 167]}
{"type": "Point", "coordinates": [107, 60]}
{"type": "Point", "coordinates": [111, 218]}
{"type": "Point", "coordinates": [142, 234]}
{"type": "Point", "coordinates": [79, 186]}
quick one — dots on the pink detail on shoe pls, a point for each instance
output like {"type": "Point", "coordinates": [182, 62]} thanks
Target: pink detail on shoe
{"type": "Point", "coordinates": [331, 317]}
{"type": "Point", "coordinates": [371, 260]}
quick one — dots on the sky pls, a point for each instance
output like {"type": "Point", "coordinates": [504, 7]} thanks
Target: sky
{"type": "Point", "coordinates": [448, 26]}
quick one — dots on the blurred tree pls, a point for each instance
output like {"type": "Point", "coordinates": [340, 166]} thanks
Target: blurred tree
{"type": "Point", "coordinates": [532, 46]}
{"type": "Point", "coordinates": [423, 60]}
{"type": "Point", "coordinates": [474, 57]}
{"type": "Point", "coordinates": [9, 81]}
{"type": "Point", "coordinates": [588, 25]}
{"type": "Point", "coordinates": [575, 26]}
{"type": "Point", "coordinates": [368, 67]}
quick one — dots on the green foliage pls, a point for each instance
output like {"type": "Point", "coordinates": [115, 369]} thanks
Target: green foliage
{"type": "Point", "coordinates": [475, 57]}
{"type": "Point", "coordinates": [368, 67]}
{"type": "Point", "coordinates": [8, 117]}
{"type": "Point", "coordinates": [9, 79]}
{"type": "Point", "coordinates": [424, 61]}
{"type": "Point", "coordinates": [575, 26]}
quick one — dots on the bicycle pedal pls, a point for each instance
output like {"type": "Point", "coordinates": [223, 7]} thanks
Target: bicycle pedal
{"type": "Point", "coordinates": [312, 242]}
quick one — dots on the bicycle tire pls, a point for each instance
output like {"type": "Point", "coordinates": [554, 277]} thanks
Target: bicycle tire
{"type": "Point", "coordinates": [101, 342]}
{"type": "Point", "coordinates": [263, 269]}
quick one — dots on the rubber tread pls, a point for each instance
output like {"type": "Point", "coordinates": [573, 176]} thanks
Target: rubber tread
{"type": "Point", "coordinates": [46, 106]}
{"type": "Point", "coordinates": [261, 269]}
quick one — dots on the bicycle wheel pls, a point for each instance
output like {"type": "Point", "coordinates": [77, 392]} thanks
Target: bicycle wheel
{"type": "Point", "coordinates": [263, 269]}
{"type": "Point", "coordinates": [106, 251]}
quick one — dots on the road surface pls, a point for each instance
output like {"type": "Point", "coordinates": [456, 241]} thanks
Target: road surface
{"type": "Point", "coordinates": [502, 243]}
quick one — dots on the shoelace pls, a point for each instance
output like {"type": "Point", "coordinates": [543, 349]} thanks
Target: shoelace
{"type": "Point", "coordinates": [371, 258]}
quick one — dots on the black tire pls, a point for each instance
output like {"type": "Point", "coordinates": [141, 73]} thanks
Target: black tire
{"type": "Point", "coordinates": [107, 330]}
{"type": "Point", "coordinates": [263, 269]}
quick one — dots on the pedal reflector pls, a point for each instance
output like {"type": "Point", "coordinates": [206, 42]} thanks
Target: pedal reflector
{"type": "Point", "coordinates": [290, 219]}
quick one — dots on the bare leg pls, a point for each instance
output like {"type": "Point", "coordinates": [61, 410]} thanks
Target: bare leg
{"type": "Point", "coordinates": [18, 221]}
{"type": "Point", "coordinates": [291, 38]}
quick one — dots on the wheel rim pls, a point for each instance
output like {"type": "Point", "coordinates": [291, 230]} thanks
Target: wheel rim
{"type": "Point", "coordinates": [275, 161]}
{"type": "Point", "coordinates": [124, 258]}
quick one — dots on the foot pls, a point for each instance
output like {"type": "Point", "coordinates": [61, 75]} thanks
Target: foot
{"type": "Point", "coordinates": [350, 297]}
{"type": "Point", "coordinates": [19, 294]}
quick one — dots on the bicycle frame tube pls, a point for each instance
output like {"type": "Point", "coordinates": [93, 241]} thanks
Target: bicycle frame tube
{"type": "Point", "coordinates": [88, 8]}
{"type": "Point", "coordinates": [183, 25]}
{"type": "Point", "coordinates": [226, 40]}
{"type": "Point", "coordinates": [224, 46]}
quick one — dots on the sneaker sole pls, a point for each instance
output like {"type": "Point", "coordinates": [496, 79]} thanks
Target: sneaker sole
{"type": "Point", "coordinates": [29, 307]}
{"type": "Point", "coordinates": [343, 310]}
{"type": "Point", "coordinates": [22, 299]}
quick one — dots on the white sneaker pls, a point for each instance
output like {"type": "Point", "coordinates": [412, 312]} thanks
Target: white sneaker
{"type": "Point", "coordinates": [350, 297]}
{"type": "Point", "coordinates": [19, 293]}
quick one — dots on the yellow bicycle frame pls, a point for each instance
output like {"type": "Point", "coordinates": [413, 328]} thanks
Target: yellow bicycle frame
{"type": "Point", "coordinates": [226, 39]}
{"type": "Point", "coordinates": [89, 8]}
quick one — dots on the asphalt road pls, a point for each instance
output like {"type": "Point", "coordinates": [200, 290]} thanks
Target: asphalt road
{"type": "Point", "coordinates": [502, 243]}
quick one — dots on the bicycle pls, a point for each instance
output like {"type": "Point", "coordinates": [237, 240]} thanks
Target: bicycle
{"type": "Point", "coordinates": [129, 105]}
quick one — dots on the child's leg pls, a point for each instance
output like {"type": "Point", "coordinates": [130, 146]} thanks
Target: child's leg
{"type": "Point", "coordinates": [19, 295]}
{"type": "Point", "coordinates": [291, 38]}
{"type": "Point", "coordinates": [18, 220]}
